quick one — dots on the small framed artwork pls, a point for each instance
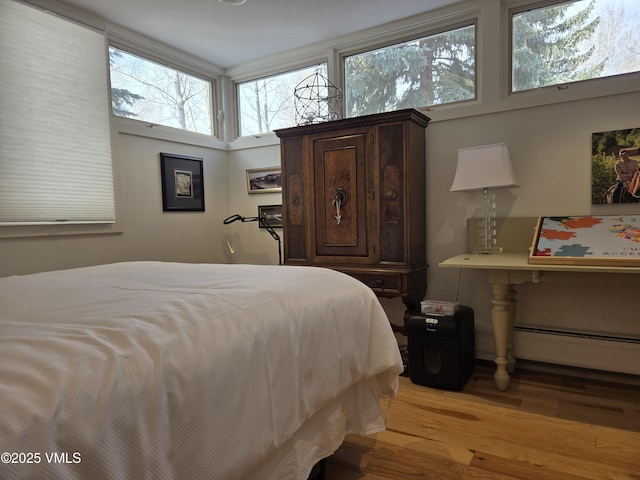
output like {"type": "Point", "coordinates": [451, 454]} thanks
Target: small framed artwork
{"type": "Point", "coordinates": [272, 214]}
{"type": "Point", "coordinates": [182, 183]}
{"type": "Point", "coordinates": [607, 240]}
{"type": "Point", "coordinates": [264, 180]}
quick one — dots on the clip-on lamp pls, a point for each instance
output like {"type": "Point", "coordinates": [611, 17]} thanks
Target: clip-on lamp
{"type": "Point", "coordinates": [263, 222]}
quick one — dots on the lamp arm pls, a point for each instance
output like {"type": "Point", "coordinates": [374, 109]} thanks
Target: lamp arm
{"type": "Point", "coordinates": [264, 222]}
{"type": "Point", "coordinates": [234, 218]}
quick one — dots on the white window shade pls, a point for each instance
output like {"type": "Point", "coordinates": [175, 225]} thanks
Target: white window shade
{"type": "Point", "coordinates": [55, 149]}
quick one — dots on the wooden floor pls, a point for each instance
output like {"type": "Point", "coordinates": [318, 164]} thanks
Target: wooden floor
{"type": "Point", "coordinates": [548, 425]}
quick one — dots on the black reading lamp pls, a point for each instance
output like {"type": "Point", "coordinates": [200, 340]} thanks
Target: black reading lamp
{"type": "Point", "coordinates": [264, 223]}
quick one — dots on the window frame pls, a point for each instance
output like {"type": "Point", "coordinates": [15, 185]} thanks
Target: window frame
{"type": "Point", "coordinates": [493, 68]}
{"type": "Point", "coordinates": [513, 8]}
{"type": "Point", "coordinates": [416, 34]}
{"type": "Point", "coordinates": [492, 64]}
{"type": "Point", "coordinates": [266, 73]}
{"type": "Point", "coordinates": [184, 64]}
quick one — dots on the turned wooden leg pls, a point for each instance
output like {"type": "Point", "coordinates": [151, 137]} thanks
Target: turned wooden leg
{"type": "Point", "coordinates": [511, 305]}
{"type": "Point", "coordinates": [501, 314]}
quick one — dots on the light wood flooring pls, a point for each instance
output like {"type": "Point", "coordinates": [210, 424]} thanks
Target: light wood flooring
{"type": "Point", "coordinates": [548, 425]}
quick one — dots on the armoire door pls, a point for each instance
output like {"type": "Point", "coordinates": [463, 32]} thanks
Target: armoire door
{"type": "Point", "coordinates": [340, 168]}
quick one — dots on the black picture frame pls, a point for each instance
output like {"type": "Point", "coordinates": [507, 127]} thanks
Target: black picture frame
{"type": "Point", "coordinates": [182, 183]}
{"type": "Point", "coordinates": [272, 214]}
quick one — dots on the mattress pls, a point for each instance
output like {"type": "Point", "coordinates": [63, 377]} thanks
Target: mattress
{"type": "Point", "coordinates": [154, 370]}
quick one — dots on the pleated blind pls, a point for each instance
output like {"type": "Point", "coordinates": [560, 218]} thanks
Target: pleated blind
{"type": "Point", "coordinates": [55, 149]}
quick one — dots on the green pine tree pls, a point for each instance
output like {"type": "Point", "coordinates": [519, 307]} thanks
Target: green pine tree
{"type": "Point", "coordinates": [546, 46]}
{"type": "Point", "coordinates": [121, 98]}
{"type": "Point", "coordinates": [433, 70]}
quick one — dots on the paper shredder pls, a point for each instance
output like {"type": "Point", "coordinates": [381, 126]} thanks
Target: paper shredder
{"type": "Point", "coordinates": [442, 349]}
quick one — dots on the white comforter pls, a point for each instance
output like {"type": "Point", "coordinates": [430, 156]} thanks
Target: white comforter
{"type": "Point", "coordinates": [151, 370]}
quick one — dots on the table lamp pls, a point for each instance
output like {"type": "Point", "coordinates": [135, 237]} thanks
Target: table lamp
{"type": "Point", "coordinates": [482, 168]}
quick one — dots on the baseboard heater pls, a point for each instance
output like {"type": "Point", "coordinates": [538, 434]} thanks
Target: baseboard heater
{"type": "Point", "coordinates": [575, 334]}
{"type": "Point", "coordinates": [574, 348]}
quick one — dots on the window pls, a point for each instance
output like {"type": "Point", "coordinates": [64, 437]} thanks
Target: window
{"type": "Point", "coordinates": [55, 147]}
{"type": "Point", "coordinates": [154, 93]}
{"type": "Point", "coordinates": [574, 41]}
{"type": "Point", "coordinates": [267, 103]}
{"type": "Point", "coordinates": [428, 71]}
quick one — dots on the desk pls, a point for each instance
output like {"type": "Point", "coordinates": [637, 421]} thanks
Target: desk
{"type": "Point", "coordinates": [505, 271]}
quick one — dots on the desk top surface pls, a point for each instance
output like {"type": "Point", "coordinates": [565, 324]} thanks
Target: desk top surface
{"type": "Point", "coordinates": [520, 261]}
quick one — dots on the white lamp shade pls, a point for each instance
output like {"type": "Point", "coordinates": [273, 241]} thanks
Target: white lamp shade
{"type": "Point", "coordinates": [483, 167]}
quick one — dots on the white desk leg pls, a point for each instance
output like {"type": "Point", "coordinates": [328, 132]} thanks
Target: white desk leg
{"type": "Point", "coordinates": [501, 316]}
{"type": "Point", "coordinates": [511, 299]}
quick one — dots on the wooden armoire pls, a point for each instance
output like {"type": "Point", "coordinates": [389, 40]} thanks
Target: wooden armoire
{"type": "Point", "coordinates": [354, 200]}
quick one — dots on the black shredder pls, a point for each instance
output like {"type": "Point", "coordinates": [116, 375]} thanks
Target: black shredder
{"type": "Point", "coordinates": [442, 349]}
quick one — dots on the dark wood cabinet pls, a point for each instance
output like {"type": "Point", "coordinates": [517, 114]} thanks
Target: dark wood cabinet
{"type": "Point", "coordinates": [354, 200]}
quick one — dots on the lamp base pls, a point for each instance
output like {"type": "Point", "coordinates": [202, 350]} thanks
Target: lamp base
{"type": "Point", "coordinates": [483, 251]}
{"type": "Point", "coordinates": [486, 229]}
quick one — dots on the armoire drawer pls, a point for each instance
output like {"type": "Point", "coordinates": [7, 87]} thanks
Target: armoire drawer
{"type": "Point", "coordinates": [381, 282]}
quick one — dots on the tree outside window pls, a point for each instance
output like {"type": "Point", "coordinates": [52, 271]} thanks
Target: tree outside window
{"type": "Point", "coordinates": [154, 93]}
{"type": "Point", "coordinates": [574, 41]}
{"type": "Point", "coordinates": [429, 71]}
{"type": "Point", "coordinates": [267, 103]}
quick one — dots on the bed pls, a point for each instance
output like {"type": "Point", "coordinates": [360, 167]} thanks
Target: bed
{"type": "Point", "coordinates": [158, 370]}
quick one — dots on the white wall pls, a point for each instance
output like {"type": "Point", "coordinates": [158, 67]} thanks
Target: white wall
{"type": "Point", "coordinates": [551, 153]}
{"type": "Point", "coordinates": [250, 244]}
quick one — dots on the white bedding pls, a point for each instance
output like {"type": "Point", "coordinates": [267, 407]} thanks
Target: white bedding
{"type": "Point", "coordinates": [152, 370]}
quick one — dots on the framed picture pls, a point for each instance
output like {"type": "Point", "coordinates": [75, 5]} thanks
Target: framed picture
{"type": "Point", "coordinates": [264, 180]}
{"type": "Point", "coordinates": [182, 183]}
{"type": "Point", "coordinates": [608, 240]}
{"type": "Point", "coordinates": [272, 214]}
{"type": "Point", "coordinates": [615, 156]}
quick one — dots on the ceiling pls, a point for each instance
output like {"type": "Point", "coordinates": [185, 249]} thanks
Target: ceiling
{"type": "Point", "coordinates": [229, 35]}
